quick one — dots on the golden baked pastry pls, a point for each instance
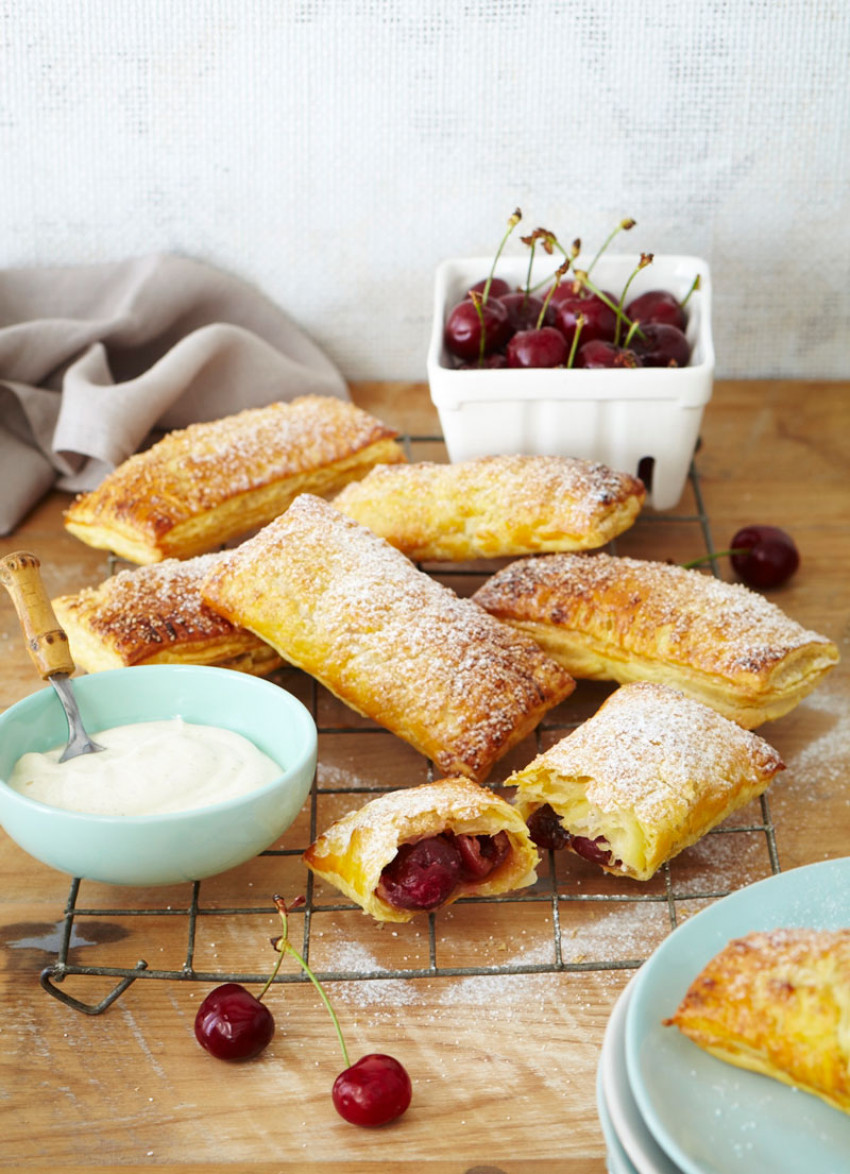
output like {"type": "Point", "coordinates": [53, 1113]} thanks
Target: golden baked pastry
{"type": "Point", "coordinates": [623, 619]}
{"type": "Point", "coordinates": [394, 644]}
{"type": "Point", "coordinates": [494, 506]}
{"type": "Point", "coordinates": [205, 484]}
{"type": "Point", "coordinates": [155, 615]}
{"type": "Point", "coordinates": [649, 774]}
{"type": "Point", "coordinates": [423, 847]}
{"type": "Point", "coordinates": [778, 1003]}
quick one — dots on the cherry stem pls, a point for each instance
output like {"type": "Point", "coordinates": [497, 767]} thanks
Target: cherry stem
{"type": "Point", "coordinates": [531, 241]}
{"type": "Point", "coordinates": [574, 345]}
{"type": "Point", "coordinates": [645, 259]}
{"type": "Point", "coordinates": [695, 284]}
{"type": "Point", "coordinates": [477, 300]}
{"type": "Point", "coordinates": [550, 240]}
{"type": "Point", "coordinates": [284, 946]}
{"type": "Point", "coordinates": [583, 280]}
{"type": "Point", "coordinates": [560, 272]}
{"type": "Point", "coordinates": [512, 223]}
{"type": "Point", "coordinates": [707, 558]}
{"type": "Point", "coordinates": [624, 225]}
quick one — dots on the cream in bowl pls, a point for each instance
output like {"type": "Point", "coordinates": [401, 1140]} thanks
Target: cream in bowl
{"type": "Point", "coordinates": [178, 738]}
{"type": "Point", "coordinates": [147, 768]}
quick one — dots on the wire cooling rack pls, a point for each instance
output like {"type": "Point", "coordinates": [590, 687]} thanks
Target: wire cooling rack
{"type": "Point", "coordinates": [567, 908]}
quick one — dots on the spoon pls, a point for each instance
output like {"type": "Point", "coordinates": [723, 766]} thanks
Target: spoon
{"type": "Point", "coordinates": [47, 643]}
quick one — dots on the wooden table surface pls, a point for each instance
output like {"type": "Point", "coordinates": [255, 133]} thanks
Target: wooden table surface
{"type": "Point", "coordinates": [503, 1054]}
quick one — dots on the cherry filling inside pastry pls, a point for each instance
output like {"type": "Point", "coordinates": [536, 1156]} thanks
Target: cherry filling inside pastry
{"type": "Point", "coordinates": [547, 832]}
{"type": "Point", "coordinates": [423, 875]}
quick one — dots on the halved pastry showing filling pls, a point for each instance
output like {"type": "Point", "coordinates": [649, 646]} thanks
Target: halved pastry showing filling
{"type": "Point", "coordinates": [649, 774]}
{"type": "Point", "coordinates": [421, 848]}
{"type": "Point", "coordinates": [778, 1002]}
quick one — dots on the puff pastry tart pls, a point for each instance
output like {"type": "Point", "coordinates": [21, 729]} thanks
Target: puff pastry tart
{"type": "Point", "coordinates": [494, 506]}
{"type": "Point", "coordinates": [623, 619]}
{"type": "Point", "coordinates": [424, 847]}
{"type": "Point", "coordinates": [778, 1003]}
{"type": "Point", "coordinates": [649, 774]}
{"type": "Point", "coordinates": [339, 602]}
{"type": "Point", "coordinates": [205, 484]}
{"type": "Point", "coordinates": [155, 615]}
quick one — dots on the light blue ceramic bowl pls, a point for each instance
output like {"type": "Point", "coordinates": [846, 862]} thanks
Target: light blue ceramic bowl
{"type": "Point", "coordinates": [161, 849]}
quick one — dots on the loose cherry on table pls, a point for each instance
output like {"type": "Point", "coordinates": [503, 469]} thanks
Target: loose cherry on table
{"type": "Point", "coordinates": [762, 556]}
{"type": "Point", "coordinates": [233, 1024]}
{"type": "Point", "coordinates": [373, 1091]}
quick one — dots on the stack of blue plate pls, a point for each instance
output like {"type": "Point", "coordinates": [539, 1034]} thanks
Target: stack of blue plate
{"type": "Point", "coordinates": [668, 1107]}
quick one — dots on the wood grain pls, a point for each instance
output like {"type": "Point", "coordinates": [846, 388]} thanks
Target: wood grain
{"type": "Point", "coordinates": [503, 1065]}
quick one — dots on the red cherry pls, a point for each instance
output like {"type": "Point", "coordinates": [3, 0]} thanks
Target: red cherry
{"type": "Point", "coordinates": [463, 328]}
{"type": "Point", "coordinates": [374, 1091]}
{"type": "Point", "coordinates": [489, 362]}
{"type": "Point", "coordinates": [421, 875]}
{"type": "Point", "coordinates": [498, 287]}
{"type": "Point", "coordinates": [524, 310]}
{"type": "Point", "coordinates": [599, 353]}
{"type": "Point", "coordinates": [546, 829]}
{"type": "Point", "coordinates": [770, 556]}
{"type": "Point", "coordinates": [233, 1025]}
{"type": "Point", "coordinates": [661, 346]}
{"type": "Point", "coordinates": [545, 347]}
{"type": "Point", "coordinates": [600, 321]}
{"type": "Point", "coordinates": [657, 305]}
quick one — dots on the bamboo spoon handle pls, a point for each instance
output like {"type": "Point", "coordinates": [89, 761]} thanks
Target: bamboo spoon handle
{"type": "Point", "coordinates": [47, 643]}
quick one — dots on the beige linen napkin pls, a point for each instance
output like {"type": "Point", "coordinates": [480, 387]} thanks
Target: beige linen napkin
{"type": "Point", "coordinates": [94, 359]}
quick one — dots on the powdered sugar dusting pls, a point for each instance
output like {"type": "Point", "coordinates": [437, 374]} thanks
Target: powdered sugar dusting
{"type": "Point", "coordinates": [825, 759]}
{"type": "Point", "coordinates": [685, 614]}
{"type": "Point", "coordinates": [575, 492]}
{"type": "Point", "coordinates": [651, 750]}
{"type": "Point", "coordinates": [220, 459]}
{"type": "Point", "coordinates": [160, 604]}
{"type": "Point", "coordinates": [388, 639]}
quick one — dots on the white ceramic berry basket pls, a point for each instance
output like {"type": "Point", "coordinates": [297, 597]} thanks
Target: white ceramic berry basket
{"type": "Point", "coordinates": [643, 421]}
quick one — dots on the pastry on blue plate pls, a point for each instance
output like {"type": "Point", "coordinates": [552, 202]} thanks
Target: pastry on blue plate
{"type": "Point", "coordinates": [778, 1002]}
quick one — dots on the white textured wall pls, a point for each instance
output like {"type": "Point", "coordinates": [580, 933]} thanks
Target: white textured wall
{"type": "Point", "coordinates": [332, 152]}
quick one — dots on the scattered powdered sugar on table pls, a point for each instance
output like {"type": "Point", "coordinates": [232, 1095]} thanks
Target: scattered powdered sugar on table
{"type": "Point", "coordinates": [826, 758]}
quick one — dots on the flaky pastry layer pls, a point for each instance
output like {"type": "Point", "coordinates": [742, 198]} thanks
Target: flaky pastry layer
{"type": "Point", "coordinates": [394, 644]}
{"type": "Point", "coordinates": [622, 619]}
{"type": "Point", "coordinates": [353, 852]}
{"type": "Point", "coordinates": [646, 776]}
{"type": "Point", "coordinates": [155, 615]}
{"type": "Point", "coordinates": [205, 484]}
{"type": "Point", "coordinates": [778, 1003]}
{"type": "Point", "coordinates": [494, 506]}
